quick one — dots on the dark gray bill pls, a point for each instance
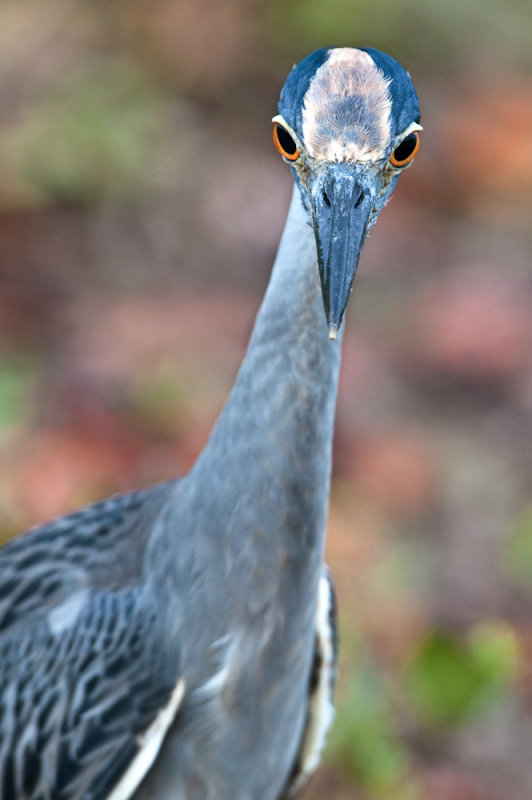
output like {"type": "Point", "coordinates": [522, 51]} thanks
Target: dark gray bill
{"type": "Point", "coordinates": [341, 204]}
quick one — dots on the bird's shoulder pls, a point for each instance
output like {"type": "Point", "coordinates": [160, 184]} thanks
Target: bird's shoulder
{"type": "Point", "coordinates": [99, 547]}
{"type": "Point", "coordinates": [83, 713]}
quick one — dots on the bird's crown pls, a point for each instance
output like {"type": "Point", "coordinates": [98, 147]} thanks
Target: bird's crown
{"type": "Point", "coordinates": [349, 104]}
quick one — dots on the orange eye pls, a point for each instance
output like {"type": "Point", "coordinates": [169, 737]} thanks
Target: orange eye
{"type": "Point", "coordinates": [284, 143]}
{"type": "Point", "coordinates": [405, 152]}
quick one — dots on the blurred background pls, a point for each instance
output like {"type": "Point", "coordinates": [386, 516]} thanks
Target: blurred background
{"type": "Point", "coordinates": [141, 203]}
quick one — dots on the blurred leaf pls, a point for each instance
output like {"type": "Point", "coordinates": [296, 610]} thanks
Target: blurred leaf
{"type": "Point", "coordinates": [15, 383]}
{"type": "Point", "coordinates": [363, 740]}
{"type": "Point", "coordinates": [494, 648]}
{"type": "Point", "coordinates": [92, 135]}
{"type": "Point", "coordinates": [449, 680]}
{"type": "Point", "coordinates": [518, 550]}
{"type": "Point", "coordinates": [441, 679]}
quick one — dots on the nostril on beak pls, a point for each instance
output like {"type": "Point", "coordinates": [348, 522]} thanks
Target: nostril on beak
{"type": "Point", "coordinates": [358, 196]}
{"type": "Point", "coordinates": [338, 186]}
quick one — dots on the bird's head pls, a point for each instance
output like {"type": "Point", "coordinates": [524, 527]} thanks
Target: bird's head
{"type": "Point", "coordinates": [348, 124]}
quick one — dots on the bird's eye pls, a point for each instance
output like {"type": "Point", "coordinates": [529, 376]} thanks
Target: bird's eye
{"type": "Point", "coordinates": [284, 142]}
{"type": "Point", "coordinates": [405, 152]}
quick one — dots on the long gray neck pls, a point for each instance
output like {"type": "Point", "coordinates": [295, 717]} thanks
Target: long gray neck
{"type": "Point", "coordinates": [272, 442]}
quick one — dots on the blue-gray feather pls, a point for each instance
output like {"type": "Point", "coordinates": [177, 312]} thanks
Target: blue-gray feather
{"type": "Point", "coordinates": [296, 85]}
{"type": "Point", "coordinates": [405, 103]}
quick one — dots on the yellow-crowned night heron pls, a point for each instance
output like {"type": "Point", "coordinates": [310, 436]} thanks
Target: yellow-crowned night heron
{"type": "Point", "coordinates": [179, 642]}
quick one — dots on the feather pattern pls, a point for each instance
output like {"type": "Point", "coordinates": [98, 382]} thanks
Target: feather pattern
{"type": "Point", "coordinates": [100, 546]}
{"type": "Point", "coordinates": [79, 650]}
{"type": "Point", "coordinates": [73, 706]}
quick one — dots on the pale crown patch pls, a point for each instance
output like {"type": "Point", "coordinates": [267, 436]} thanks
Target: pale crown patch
{"type": "Point", "coordinates": [346, 109]}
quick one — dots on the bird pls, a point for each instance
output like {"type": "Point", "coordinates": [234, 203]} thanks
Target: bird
{"type": "Point", "coordinates": [179, 642]}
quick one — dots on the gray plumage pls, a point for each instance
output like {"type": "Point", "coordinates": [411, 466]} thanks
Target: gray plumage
{"type": "Point", "coordinates": [179, 642]}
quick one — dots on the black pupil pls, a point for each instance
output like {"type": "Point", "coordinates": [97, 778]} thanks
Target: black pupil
{"type": "Point", "coordinates": [406, 148]}
{"type": "Point", "coordinates": [286, 141]}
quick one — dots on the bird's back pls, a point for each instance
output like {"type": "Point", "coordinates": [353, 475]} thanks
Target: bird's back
{"type": "Point", "coordinates": [82, 674]}
{"type": "Point", "coordinates": [46, 572]}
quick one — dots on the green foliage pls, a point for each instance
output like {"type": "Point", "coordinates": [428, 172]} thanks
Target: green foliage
{"type": "Point", "coordinates": [518, 551]}
{"type": "Point", "coordinates": [447, 682]}
{"type": "Point", "coordinates": [15, 384]}
{"type": "Point", "coordinates": [92, 135]}
{"type": "Point", "coordinates": [450, 680]}
{"type": "Point", "coordinates": [363, 740]}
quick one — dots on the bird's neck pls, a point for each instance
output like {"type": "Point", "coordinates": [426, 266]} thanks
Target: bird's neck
{"type": "Point", "coordinates": [269, 456]}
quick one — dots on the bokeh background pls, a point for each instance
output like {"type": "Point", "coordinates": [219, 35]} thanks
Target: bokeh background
{"type": "Point", "coordinates": [141, 203]}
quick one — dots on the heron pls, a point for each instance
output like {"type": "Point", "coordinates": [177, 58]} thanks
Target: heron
{"type": "Point", "coordinates": [179, 642]}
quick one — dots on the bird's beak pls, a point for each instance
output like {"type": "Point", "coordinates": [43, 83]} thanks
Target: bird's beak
{"type": "Point", "coordinates": [342, 197]}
